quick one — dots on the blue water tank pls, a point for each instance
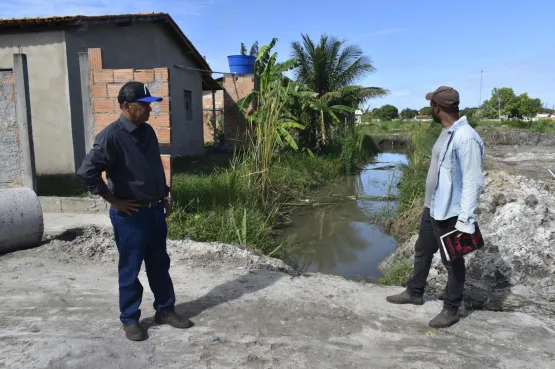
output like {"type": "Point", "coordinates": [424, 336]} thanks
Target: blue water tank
{"type": "Point", "coordinates": [241, 64]}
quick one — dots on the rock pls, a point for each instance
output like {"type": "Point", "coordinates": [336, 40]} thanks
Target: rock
{"type": "Point", "coordinates": [498, 200]}
{"type": "Point", "coordinates": [513, 271]}
{"type": "Point", "coordinates": [531, 201]}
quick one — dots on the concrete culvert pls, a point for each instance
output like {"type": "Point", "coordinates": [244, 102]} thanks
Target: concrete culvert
{"type": "Point", "coordinates": [21, 220]}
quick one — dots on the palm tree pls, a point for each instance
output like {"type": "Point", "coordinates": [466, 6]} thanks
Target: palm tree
{"type": "Point", "coordinates": [332, 68]}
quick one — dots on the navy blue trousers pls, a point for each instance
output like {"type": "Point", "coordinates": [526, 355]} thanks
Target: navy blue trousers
{"type": "Point", "coordinates": [142, 236]}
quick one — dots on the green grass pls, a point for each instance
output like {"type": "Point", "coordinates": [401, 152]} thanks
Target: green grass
{"type": "Point", "coordinates": [412, 184]}
{"type": "Point", "coordinates": [216, 199]}
{"type": "Point", "coordinates": [540, 126]}
{"type": "Point", "coordinates": [399, 126]}
{"type": "Point", "coordinates": [398, 274]}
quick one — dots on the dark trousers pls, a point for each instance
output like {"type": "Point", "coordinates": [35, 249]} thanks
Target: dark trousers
{"type": "Point", "coordinates": [426, 246]}
{"type": "Point", "coordinates": [142, 236]}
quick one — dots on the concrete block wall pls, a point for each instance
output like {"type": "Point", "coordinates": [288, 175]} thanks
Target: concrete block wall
{"type": "Point", "coordinates": [207, 99]}
{"type": "Point", "coordinates": [104, 86]}
{"type": "Point", "coordinates": [11, 174]}
{"type": "Point", "coordinates": [235, 125]}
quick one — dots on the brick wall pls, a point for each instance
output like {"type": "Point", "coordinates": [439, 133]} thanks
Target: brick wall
{"type": "Point", "coordinates": [207, 114]}
{"type": "Point", "coordinates": [235, 88]}
{"type": "Point", "coordinates": [11, 174]}
{"type": "Point", "coordinates": [104, 86]}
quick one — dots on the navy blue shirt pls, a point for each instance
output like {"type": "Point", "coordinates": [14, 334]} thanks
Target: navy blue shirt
{"type": "Point", "coordinates": [130, 156]}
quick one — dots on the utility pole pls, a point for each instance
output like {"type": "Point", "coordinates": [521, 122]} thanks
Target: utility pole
{"type": "Point", "coordinates": [481, 83]}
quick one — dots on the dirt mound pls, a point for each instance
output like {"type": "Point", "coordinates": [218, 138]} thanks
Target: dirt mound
{"type": "Point", "coordinates": [92, 243]}
{"type": "Point", "coordinates": [499, 136]}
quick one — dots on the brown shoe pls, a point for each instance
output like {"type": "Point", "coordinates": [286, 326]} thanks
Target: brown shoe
{"type": "Point", "coordinates": [134, 332]}
{"type": "Point", "coordinates": [173, 319]}
{"type": "Point", "coordinates": [444, 319]}
{"type": "Point", "coordinates": [405, 298]}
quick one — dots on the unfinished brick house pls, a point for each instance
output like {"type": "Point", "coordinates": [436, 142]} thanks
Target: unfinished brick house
{"type": "Point", "coordinates": [220, 106]}
{"type": "Point", "coordinates": [76, 65]}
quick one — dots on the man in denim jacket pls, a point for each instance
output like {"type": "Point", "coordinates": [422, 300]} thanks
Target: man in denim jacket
{"type": "Point", "coordinates": [453, 187]}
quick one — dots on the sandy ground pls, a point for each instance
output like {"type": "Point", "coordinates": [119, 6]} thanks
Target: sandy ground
{"type": "Point", "coordinates": [59, 310]}
{"type": "Point", "coordinates": [529, 161]}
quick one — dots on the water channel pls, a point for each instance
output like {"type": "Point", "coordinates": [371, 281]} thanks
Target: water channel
{"type": "Point", "coordinates": [341, 234]}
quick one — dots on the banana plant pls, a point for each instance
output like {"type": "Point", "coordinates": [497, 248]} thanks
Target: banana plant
{"type": "Point", "coordinates": [267, 111]}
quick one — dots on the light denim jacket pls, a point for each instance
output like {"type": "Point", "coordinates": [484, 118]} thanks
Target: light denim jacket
{"type": "Point", "coordinates": [460, 177]}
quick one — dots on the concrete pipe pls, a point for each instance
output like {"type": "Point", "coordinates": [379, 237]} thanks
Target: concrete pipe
{"type": "Point", "coordinates": [21, 220]}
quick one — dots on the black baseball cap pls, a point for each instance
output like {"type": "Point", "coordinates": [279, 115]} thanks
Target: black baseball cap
{"type": "Point", "coordinates": [136, 91]}
{"type": "Point", "coordinates": [444, 96]}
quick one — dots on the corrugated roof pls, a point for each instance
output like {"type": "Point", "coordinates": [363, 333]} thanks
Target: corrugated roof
{"type": "Point", "coordinates": [60, 22]}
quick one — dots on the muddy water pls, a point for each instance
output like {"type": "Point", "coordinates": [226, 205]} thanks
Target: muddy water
{"type": "Point", "coordinates": [340, 234]}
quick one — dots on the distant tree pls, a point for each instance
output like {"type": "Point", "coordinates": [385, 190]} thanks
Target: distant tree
{"type": "Point", "coordinates": [367, 116]}
{"type": "Point", "coordinates": [408, 113]}
{"type": "Point", "coordinates": [505, 102]}
{"type": "Point", "coordinates": [386, 112]}
{"type": "Point", "coordinates": [426, 111]}
{"type": "Point", "coordinates": [254, 49]}
{"type": "Point", "coordinates": [469, 112]}
{"type": "Point", "coordinates": [528, 108]}
{"type": "Point", "coordinates": [243, 49]}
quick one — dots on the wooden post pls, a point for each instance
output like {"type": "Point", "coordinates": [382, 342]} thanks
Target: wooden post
{"type": "Point", "coordinates": [214, 116]}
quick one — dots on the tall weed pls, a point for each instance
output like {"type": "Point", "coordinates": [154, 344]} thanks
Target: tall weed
{"type": "Point", "coordinates": [354, 148]}
{"type": "Point", "coordinates": [412, 185]}
{"type": "Point", "coordinates": [220, 206]}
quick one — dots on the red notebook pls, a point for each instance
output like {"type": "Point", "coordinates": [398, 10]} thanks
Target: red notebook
{"type": "Point", "coordinates": [456, 244]}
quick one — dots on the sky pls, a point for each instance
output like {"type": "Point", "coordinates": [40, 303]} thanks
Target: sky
{"type": "Point", "coordinates": [416, 46]}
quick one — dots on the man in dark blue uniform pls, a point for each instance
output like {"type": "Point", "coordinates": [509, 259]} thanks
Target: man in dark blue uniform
{"type": "Point", "coordinates": [127, 150]}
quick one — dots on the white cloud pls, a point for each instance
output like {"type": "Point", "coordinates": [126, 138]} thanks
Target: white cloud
{"type": "Point", "coordinates": [42, 8]}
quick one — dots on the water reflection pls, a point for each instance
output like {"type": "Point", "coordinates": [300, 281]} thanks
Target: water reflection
{"type": "Point", "coordinates": [343, 238]}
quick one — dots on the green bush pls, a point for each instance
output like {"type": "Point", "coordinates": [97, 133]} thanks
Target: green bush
{"type": "Point", "coordinates": [519, 124]}
{"type": "Point", "coordinates": [353, 148]}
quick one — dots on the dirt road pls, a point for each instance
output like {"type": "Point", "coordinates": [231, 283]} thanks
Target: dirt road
{"type": "Point", "coordinates": [59, 310]}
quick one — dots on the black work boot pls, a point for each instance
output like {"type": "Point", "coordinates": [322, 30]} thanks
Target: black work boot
{"type": "Point", "coordinates": [405, 298]}
{"type": "Point", "coordinates": [134, 332]}
{"type": "Point", "coordinates": [444, 319]}
{"type": "Point", "coordinates": [173, 319]}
